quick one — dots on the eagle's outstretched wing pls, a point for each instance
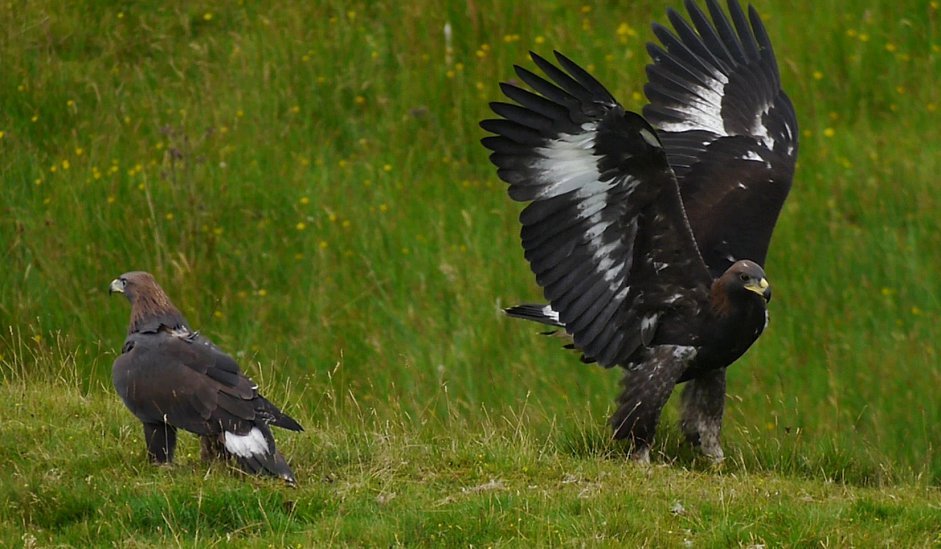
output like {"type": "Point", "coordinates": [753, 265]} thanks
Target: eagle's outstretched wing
{"type": "Point", "coordinates": [605, 231]}
{"type": "Point", "coordinates": [729, 131]}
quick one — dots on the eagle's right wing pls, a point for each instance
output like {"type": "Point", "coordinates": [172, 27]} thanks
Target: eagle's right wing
{"type": "Point", "coordinates": [604, 231]}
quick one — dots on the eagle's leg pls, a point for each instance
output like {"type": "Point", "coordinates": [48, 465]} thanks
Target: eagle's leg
{"type": "Point", "coordinates": [161, 442]}
{"type": "Point", "coordinates": [211, 448]}
{"type": "Point", "coordinates": [701, 416]}
{"type": "Point", "coordinates": [646, 391]}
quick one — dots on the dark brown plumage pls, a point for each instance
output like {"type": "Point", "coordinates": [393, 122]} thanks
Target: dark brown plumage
{"type": "Point", "coordinates": [647, 235]}
{"type": "Point", "coordinates": [171, 377]}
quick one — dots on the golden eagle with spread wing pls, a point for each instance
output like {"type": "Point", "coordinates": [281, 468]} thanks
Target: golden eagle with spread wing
{"type": "Point", "coordinates": [647, 233]}
{"type": "Point", "coordinates": [171, 377]}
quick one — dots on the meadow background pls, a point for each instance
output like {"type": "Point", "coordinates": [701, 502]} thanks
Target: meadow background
{"type": "Point", "coordinates": [305, 179]}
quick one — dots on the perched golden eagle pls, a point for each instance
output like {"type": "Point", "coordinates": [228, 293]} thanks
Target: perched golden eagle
{"type": "Point", "coordinates": [172, 378]}
{"type": "Point", "coordinates": [648, 233]}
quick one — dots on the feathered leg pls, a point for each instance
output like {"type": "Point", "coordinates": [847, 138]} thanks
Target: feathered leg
{"type": "Point", "coordinates": [701, 416]}
{"type": "Point", "coordinates": [161, 442]}
{"type": "Point", "coordinates": [211, 448]}
{"type": "Point", "coordinates": [647, 388]}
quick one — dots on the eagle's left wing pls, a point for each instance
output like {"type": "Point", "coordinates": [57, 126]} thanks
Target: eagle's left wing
{"type": "Point", "coordinates": [729, 130]}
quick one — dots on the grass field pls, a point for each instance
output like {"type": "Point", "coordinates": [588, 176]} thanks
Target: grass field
{"type": "Point", "coordinates": [305, 180]}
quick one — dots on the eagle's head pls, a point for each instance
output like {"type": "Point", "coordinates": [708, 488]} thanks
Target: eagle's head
{"type": "Point", "coordinates": [150, 306]}
{"type": "Point", "coordinates": [744, 278]}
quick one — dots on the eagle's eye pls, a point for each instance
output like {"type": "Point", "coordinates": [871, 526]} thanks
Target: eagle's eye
{"type": "Point", "coordinates": [744, 277]}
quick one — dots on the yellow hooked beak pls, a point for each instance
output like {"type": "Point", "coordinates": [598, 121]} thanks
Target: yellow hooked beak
{"type": "Point", "coordinates": [761, 288]}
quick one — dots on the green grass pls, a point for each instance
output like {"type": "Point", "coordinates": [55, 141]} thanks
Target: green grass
{"type": "Point", "coordinates": [78, 476]}
{"type": "Point", "coordinates": [306, 182]}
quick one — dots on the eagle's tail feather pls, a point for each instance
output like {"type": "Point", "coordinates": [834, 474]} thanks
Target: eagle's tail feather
{"type": "Point", "coordinates": [255, 453]}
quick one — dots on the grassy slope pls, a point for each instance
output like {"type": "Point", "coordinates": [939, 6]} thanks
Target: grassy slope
{"type": "Point", "coordinates": [306, 182]}
{"type": "Point", "coordinates": [76, 474]}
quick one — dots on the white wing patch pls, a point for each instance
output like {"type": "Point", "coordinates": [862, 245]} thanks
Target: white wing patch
{"type": "Point", "coordinates": [647, 325]}
{"type": "Point", "coordinates": [551, 313]}
{"type": "Point", "coordinates": [760, 131]}
{"type": "Point", "coordinates": [650, 138]}
{"type": "Point", "coordinates": [570, 164]}
{"type": "Point", "coordinates": [673, 299]}
{"type": "Point", "coordinates": [702, 110]}
{"type": "Point", "coordinates": [752, 155]}
{"type": "Point", "coordinates": [246, 446]}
